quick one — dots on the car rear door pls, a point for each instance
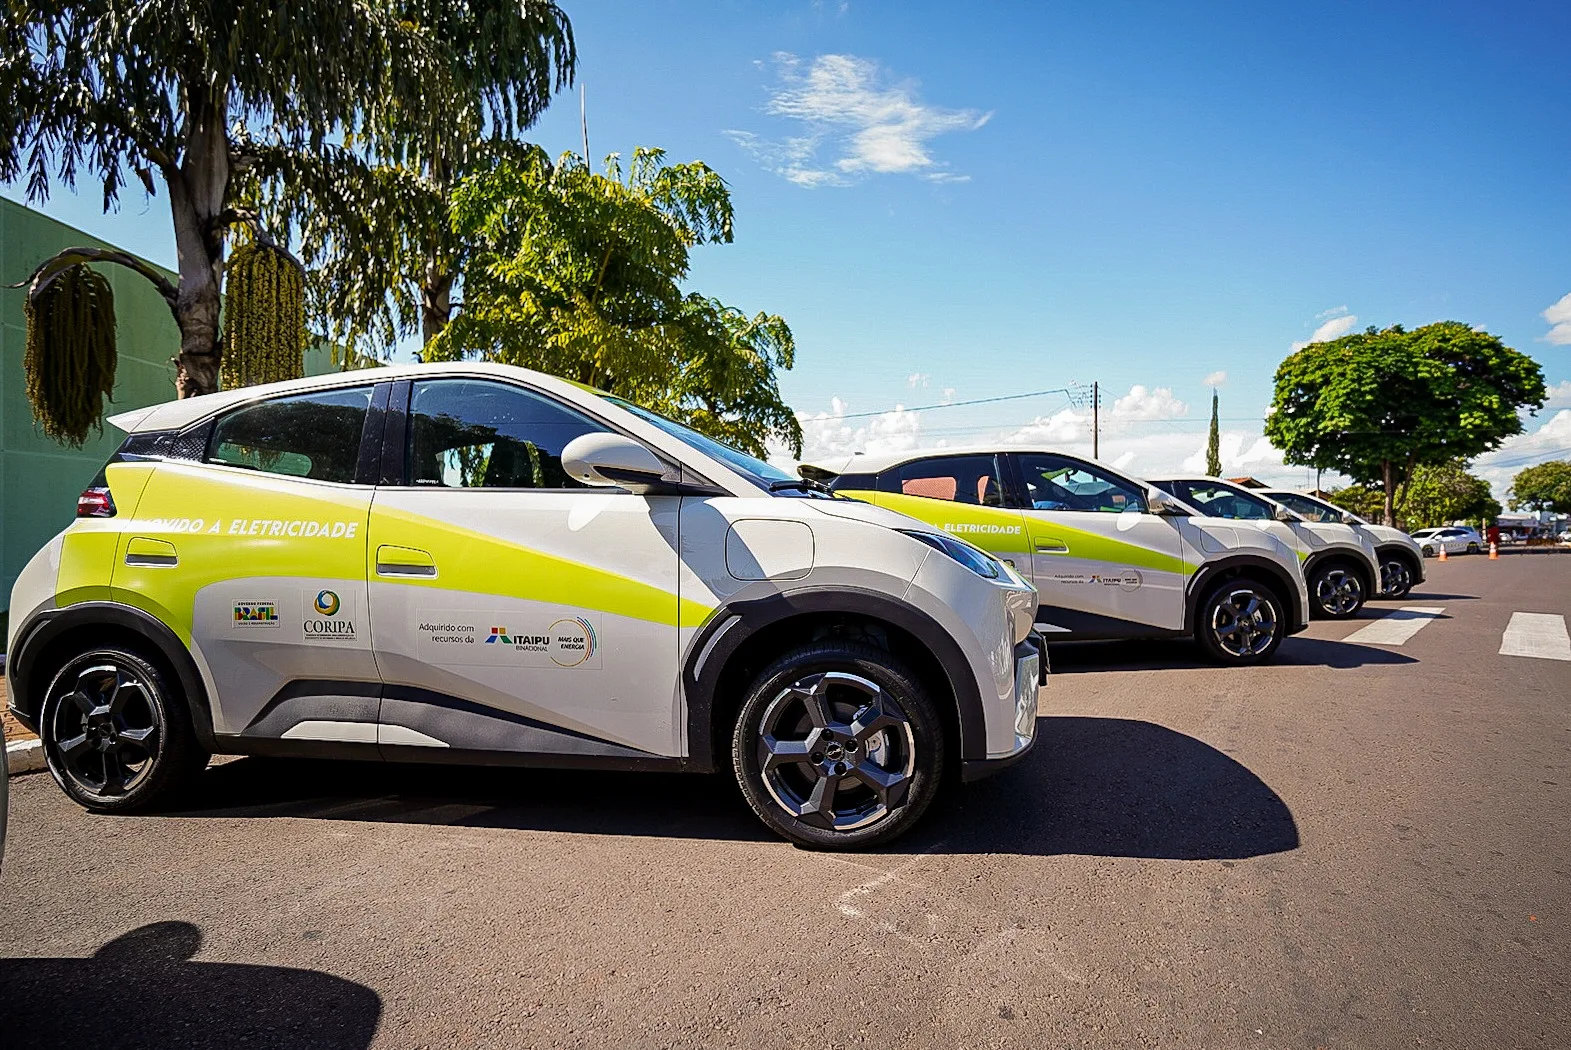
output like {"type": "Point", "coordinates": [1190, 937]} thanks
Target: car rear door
{"type": "Point", "coordinates": [1103, 565]}
{"type": "Point", "coordinates": [512, 608]}
{"type": "Point", "coordinates": [963, 494]}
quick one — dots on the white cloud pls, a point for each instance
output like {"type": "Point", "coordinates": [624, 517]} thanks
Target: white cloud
{"type": "Point", "coordinates": [1550, 441]}
{"type": "Point", "coordinates": [949, 394]}
{"type": "Point", "coordinates": [1559, 395]}
{"type": "Point", "coordinates": [918, 379]}
{"type": "Point", "coordinates": [829, 439]}
{"type": "Point", "coordinates": [1333, 312]}
{"type": "Point", "coordinates": [1559, 318]}
{"type": "Point", "coordinates": [856, 122]}
{"type": "Point", "coordinates": [1218, 378]}
{"type": "Point", "coordinates": [1335, 328]}
{"type": "Point", "coordinates": [1141, 403]}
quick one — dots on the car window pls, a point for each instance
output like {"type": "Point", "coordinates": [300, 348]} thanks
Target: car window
{"type": "Point", "coordinates": [478, 433]}
{"type": "Point", "coordinates": [1218, 501]}
{"type": "Point", "coordinates": [1306, 508]}
{"type": "Point", "coordinates": [1059, 483]}
{"type": "Point", "coordinates": [315, 435]}
{"type": "Point", "coordinates": [961, 479]}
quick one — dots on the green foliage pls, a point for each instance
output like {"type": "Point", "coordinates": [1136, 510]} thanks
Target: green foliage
{"type": "Point", "coordinates": [1376, 404]}
{"type": "Point", "coordinates": [1362, 500]}
{"type": "Point", "coordinates": [580, 274]}
{"type": "Point", "coordinates": [264, 317]}
{"type": "Point", "coordinates": [1438, 494]}
{"type": "Point", "coordinates": [1214, 442]}
{"type": "Point", "coordinates": [1546, 486]}
{"type": "Point", "coordinates": [70, 357]}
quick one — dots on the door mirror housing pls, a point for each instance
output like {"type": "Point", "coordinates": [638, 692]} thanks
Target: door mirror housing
{"type": "Point", "coordinates": [1159, 502]}
{"type": "Point", "coordinates": [612, 460]}
{"type": "Point", "coordinates": [1281, 513]}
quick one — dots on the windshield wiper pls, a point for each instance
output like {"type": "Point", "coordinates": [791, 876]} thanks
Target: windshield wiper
{"type": "Point", "coordinates": [801, 484]}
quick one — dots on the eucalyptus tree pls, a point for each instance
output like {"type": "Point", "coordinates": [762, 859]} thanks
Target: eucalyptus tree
{"type": "Point", "coordinates": [580, 274]}
{"type": "Point", "coordinates": [194, 96]}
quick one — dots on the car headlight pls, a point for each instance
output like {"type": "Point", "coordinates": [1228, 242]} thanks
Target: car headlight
{"type": "Point", "coordinates": [973, 558]}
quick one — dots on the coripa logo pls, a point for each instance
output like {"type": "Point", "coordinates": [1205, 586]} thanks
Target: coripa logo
{"type": "Point", "coordinates": [327, 625]}
{"type": "Point", "coordinates": [256, 614]}
{"type": "Point", "coordinates": [572, 641]}
{"type": "Point", "coordinates": [326, 603]}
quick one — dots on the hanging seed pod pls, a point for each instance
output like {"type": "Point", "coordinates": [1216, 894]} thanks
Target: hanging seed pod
{"type": "Point", "coordinates": [264, 317]}
{"type": "Point", "coordinates": [70, 356]}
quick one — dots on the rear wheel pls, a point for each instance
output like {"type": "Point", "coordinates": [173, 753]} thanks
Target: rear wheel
{"type": "Point", "coordinates": [1336, 592]}
{"type": "Point", "coordinates": [1472, 548]}
{"type": "Point", "coordinates": [1240, 622]}
{"type": "Point", "coordinates": [115, 737]}
{"type": "Point", "coordinates": [838, 746]}
{"type": "Point", "coordinates": [1395, 577]}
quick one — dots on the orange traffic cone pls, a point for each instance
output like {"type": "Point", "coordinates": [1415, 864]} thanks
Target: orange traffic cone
{"type": "Point", "coordinates": [1442, 551]}
{"type": "Point", "coordinates": [1494, 552]}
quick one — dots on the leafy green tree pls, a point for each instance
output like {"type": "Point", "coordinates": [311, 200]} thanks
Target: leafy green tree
{"type": "Point", "coordinates": [1214, 442]}
{"type": "Point", "coordinates": [1362, 500]}
{"type": "Point", "coordinates": [1376, 404]}
{"type": "Point", "coordinates": [580, 274]}
{"type": "Point", "coordinates": [1438, 494]}
{"type": "Point", "coordinates": [195, 95]}
{"type": "Point", "coordinates": [1546, 486]}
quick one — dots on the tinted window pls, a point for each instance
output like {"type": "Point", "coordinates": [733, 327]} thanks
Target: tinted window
{"type": "Point", "coordinates": [314, 435]}
{"type": "Point", "coordinates": [1307, 508]}
{"type": "Point", "coordinates": [476, 433]}
{"type": "Point", "coordinates": [1059, 483]}
{"type": "Point", "coordinates": [1218, 501]}
{"type": "Point", "coordinates": [961, 479]}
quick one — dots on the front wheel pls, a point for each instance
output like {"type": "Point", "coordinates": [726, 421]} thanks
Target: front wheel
{"type": "Point", "coordinates": [115, 737]}
{"type": "Point", "coordinates": [1240, 623]}
{"type": "Point", "coordinates": [1396, 578]}
{"type": "Point", "coordinates": [838, 746]}
{"type": "Point", "coordinates": [1336, 592]}
{"type": "Point", "coordinates": [1472, 548]}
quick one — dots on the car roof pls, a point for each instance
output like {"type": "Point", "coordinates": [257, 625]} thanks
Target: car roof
{"type": "Point", "coordinates": [878, 462]}
{"type": "Point", "coordinates": [171, 415]}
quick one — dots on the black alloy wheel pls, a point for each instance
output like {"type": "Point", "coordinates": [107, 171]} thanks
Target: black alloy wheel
{"type": "Point", "coordinates": [1336, 591]}
{"type": "Point", "coordinates": [1240, 623]}
{"type": "Point", "coordinates": [114, 737]}
{"type": "Point", "coordinates": [1472, 548]}
{"type": "Point", "coordinates": [1396, 579]}
{"type": "Point", "coordinates": [838, 746]}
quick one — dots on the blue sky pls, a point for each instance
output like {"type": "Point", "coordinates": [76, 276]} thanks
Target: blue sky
{"type": "Point", "coordinates": [951, 202]}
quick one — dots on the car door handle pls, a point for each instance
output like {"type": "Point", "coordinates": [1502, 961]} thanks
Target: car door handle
{"type": "Point", "coordinates": [144, 550]}
{"type": "Point", "coordinates": [404, 561]}
{"type": "Point", "coordinates": [1051, 545]}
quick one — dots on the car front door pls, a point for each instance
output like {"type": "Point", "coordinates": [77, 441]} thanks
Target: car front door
{"type": "Point", "coordinates": [258, 545]}
{"type": "Point", "coordinates": [1103, 565]}
{"type": "Point", "coordinates": [512, 608]}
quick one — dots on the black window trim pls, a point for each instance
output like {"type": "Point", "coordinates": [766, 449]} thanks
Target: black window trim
{"type": "Point", "coordinates": [888, 479]}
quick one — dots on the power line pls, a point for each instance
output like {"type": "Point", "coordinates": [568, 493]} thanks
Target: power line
{"type": "Point", "coordinates": [1072, 394]}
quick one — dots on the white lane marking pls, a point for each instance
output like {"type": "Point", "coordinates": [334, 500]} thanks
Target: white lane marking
{"type": "Point", "coordinates": [1396, 627]}
{"type": "Point", "coordinates": [1541, 635]}
{"type": "Point", "coordinates": [1052, 628]}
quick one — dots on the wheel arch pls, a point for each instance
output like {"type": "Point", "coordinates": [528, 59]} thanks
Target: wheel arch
{"type": "Point", "coordinates": [1351, 560]}
{"type": "Point", "coordinates": [741, 639]}
{"type": "Point", "coordinates": [1268, 572]}
{"type": "Point", "coordinates": [52, 636]}
{"type": "Point", "coordinates": [1414, 560]}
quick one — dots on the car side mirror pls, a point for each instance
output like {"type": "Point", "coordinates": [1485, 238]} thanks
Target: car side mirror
{"type": "Point", "coordinates": [1159, 502]}
{"type": "Point", "coordinates": [1283, 514]}
{"type": "Point", "coordinates": [606, 460]}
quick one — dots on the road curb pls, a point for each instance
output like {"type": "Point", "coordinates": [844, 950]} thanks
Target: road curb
{"type": "Point", "coordinates": [24, 756]}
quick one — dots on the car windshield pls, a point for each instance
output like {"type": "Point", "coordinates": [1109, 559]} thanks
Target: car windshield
{"type": "Point", "coordinates": [1308, 507]}
{"type": "Point", "coordinates": [751, 467]}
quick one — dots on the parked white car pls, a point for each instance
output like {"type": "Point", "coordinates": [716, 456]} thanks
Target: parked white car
{"type": "Point", "coordinates": [1401, 561]}
{"type": "Point", "coordinates": [1456, 539]}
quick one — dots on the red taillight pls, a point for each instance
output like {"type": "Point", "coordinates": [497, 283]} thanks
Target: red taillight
{"type": "Point", "coordinates": [95, 502]}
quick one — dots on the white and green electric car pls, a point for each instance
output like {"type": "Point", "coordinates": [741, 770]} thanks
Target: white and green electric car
{"type": "Point", "coordinates": [1340, 565]}
{"type": "Point", "coordinates": [1401, 558]}
{"type": "Point", "coordinates": [482, 564]}
{"type": "Point", "coordinates": [1111, 556]}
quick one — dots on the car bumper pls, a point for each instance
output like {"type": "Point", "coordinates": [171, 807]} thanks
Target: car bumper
{"type": "Point", "coordinates": [1031, 671]}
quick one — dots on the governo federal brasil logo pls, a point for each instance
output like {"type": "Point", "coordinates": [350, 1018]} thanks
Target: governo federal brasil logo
{"type": "Point", "coordinates": [327, 603]}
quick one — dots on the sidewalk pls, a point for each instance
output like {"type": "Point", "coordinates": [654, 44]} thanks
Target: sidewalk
{"type": "Point", "coordinates": [22, 753]}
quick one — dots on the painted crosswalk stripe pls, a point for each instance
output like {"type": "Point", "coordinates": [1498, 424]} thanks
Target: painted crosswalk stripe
{"type": "Point", "coordinates": [1536, 634]}
{"type": "Point", "coordinates": [1396, 627]}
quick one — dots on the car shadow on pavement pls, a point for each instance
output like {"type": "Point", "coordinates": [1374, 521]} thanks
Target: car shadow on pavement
{"type": "Point", "coordinates": [1423, 596]}
{"type": "Point", "coordinates": [1177, 654]}
{"type": "Point", "coordinates": [1098, 786]}
{"type": "Point", "coordinates": [1116, 787]}
{"type": "Point", "coordinates": [142, 989]}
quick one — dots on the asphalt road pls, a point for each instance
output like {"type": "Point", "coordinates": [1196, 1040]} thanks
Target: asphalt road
{"type": "Point", "coordinates": [1358, 846]}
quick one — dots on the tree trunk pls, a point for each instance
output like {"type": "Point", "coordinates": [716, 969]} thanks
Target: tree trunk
{"type": "Point", "coordinates": [436, 302]}
{"type": "Point", "coordinates": [198, 192]}
{"type": "Point", "coordinates": [1389, 517]}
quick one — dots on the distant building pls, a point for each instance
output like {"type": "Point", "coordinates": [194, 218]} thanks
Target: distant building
{"type": "Point", "coordinates": [1248, 482]}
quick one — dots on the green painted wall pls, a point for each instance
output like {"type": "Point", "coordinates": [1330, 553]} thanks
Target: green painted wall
{"type": "Point", "coordinates": [39, 479]}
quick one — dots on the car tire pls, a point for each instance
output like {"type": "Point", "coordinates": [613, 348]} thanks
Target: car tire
{"type": "Point", "coordinates": [1240, 623]}
{"type": "Point", "coordinates": [847, 716]}
{"type": "Point", "coordinates": [1396, 579]}
{"type": "Point", "coordinates": [116, 738]}
{"type": "Point", "coordinates": [1472, 548]}
{"type": "Point", "coordinates": [1336, 592]}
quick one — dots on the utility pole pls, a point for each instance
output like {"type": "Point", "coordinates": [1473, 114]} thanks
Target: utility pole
{"type": "Point", "coordinates": [1096, 420]}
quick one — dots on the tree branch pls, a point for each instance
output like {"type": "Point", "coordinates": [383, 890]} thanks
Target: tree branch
{"type": "Point", "coordinates": [53, 266]}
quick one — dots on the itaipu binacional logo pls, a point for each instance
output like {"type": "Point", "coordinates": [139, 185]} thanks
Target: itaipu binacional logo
{"type": "Point", "coordinates": [569, 642]}
{"type": "Point", "coordinates": [326, 603]}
